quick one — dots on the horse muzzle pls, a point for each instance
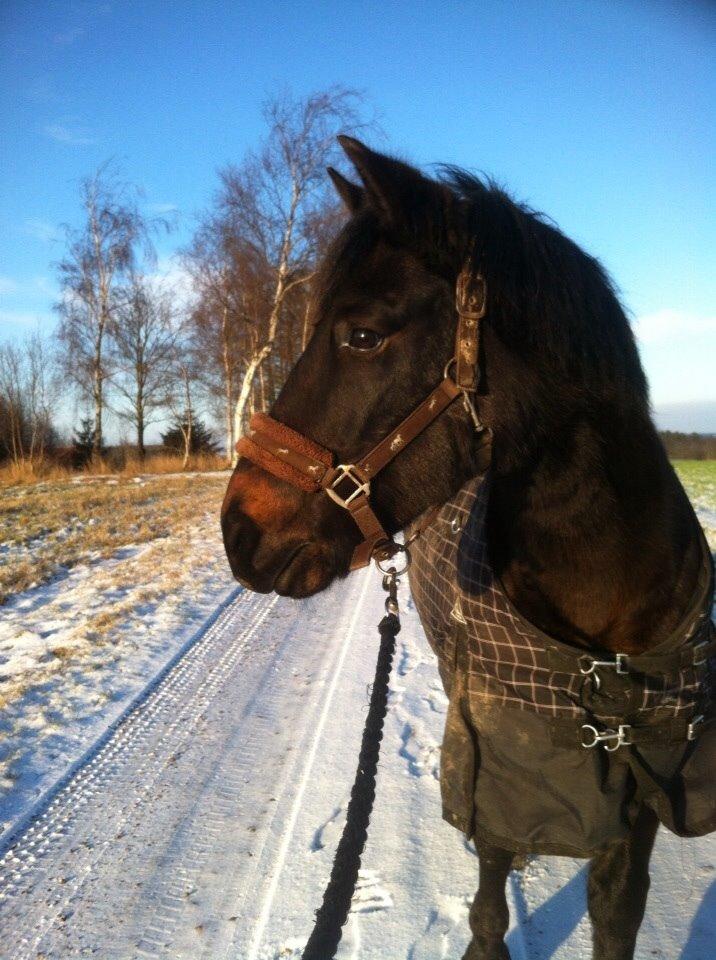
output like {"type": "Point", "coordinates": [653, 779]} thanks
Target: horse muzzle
{"type": "Point", "coordinates": [272, 539]}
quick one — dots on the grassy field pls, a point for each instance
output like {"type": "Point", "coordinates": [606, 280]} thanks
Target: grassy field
{"type": "Point", "coordinates": [118, 465]}
{"type": "Point", "coordinates": [47, 528]}
{"type": "Point", "coordinates": [699, 480]}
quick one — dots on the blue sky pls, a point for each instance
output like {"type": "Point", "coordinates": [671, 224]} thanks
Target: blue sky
{"type": "Point", "coordinates": [598, 113]}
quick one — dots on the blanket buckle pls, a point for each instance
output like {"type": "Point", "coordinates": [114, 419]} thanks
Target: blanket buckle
{"type": "Point", "coordinates": [588, 666]}
{"type": "Point", "coordinates": [702, 656]}
{"type": "Point", "coordinates": [620, 735]}
{"type": "Point", "coordinates": [692, 731]}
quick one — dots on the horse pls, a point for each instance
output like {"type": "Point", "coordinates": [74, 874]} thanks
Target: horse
{"type": "Point", "coordinates": [584, 525]}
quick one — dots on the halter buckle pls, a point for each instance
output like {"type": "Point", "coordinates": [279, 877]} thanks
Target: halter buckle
{"type": "Point", "coordinates": [347, 471]}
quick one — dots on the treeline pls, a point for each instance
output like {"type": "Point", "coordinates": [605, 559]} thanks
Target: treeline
{"type": "Point", "coordinates": [689, 446]}
{"type": "Point", "coordinates": [130, 344]}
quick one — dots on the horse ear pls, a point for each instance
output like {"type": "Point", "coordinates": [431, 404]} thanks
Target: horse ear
{"type": "Point", "coordinates": [401, 196]}
{"type": "Point", "coordinates": [351, 194]}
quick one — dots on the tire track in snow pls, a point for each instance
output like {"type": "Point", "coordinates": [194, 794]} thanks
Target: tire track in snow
{"type": "Point", "coordinates": [166, 799]}
{"type": "Point", "coordinates": [307, 770]}
{"type": "Point", "coordinates": [138, 744]}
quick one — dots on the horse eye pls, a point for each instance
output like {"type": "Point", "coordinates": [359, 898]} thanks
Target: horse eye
{"type": "Point", "coordinates": [361, 338]}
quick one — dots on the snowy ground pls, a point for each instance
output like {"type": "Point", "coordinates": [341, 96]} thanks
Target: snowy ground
{"type": "Point", "coordinates": [203, 823]}
{"type": "Point", "coordinates": [204, 826]}
{"type": "Point", "coordinates": [76, 646]}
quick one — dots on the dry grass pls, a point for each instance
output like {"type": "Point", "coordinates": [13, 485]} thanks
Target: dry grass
{"type": "Point", "coordinates": [27, 472]}
{"type": "Point", "coordinates": [48, 527]}
{"type": "Point", "coordinates": [166, 463]}
{"type": "Point", "coordinates": [62, 653]}
{"type": "Point", "coordinates": [15, 474]}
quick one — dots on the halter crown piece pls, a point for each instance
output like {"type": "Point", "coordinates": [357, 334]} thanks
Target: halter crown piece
{"type": "Point", "coordinates": [304, 464]}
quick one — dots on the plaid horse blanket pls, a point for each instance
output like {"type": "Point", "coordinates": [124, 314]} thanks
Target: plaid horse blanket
{"type": "Point", "coordinates": [520, 765]}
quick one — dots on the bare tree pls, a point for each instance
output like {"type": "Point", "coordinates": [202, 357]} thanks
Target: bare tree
{"type": "Point", "coordinates": [100, 254]}
{"type": "Point", "coordinates": [224, 310]}
{"type": "Point", "coordinates": [143, 332]}
{"type": "Point", "coordinates": [182, 400]}
{"type": "Point", "coordinates": [27, 395]}
{"type": "Point", "coordinates": [12, 402]}
{"type": "Point", "coordinates": [271, 202]}
{"type": "Point", "coordinates": [184, 380]}
{"type": "Point", "coordinates": [42, 391]}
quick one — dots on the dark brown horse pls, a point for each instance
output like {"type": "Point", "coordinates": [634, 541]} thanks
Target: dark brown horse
{"type": "Point", "coordinates": [588, 530]}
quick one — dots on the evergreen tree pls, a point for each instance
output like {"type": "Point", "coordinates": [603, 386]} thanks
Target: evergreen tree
{"type": "Point", "coordinates": [83, 443]}
{"type": "Point", "coordinates": [202, 439]}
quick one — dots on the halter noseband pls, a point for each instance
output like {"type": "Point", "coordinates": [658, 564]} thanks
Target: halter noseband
{"type": "Point", "coordinates": [308, 466]}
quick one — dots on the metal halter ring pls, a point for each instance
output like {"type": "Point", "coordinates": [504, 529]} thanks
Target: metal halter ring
{"type": "Point", "coordinates": [446, 371]}
{"type": "Point", "coordinates": [398, 548]}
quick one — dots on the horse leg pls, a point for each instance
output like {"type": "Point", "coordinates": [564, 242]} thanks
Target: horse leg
{"type": "Point", "coordinates": [489, 916]}
{"type": "Point", "coordinates": [617, 889]}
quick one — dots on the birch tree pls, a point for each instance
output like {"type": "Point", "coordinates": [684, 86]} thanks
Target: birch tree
{"type": "Point", "coordinates": [269, 204]}
{"type": "Point", "coordinates": [100, 254]}
{"type": "Point", "coordinates": [225, 309]}
{"type": "Point", "coordinates": [181, 406]}
{"type": "Point", "coordinates": [143, 332]}
{"type": "Point", "coordinates": [188, 433]}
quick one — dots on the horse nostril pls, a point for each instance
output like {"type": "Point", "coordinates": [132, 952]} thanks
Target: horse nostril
{"type": "Point", "coordinates": [240, 535]}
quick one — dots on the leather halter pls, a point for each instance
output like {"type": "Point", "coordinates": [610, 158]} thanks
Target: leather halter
{"type": "Point", "coordinates": [308, 466]}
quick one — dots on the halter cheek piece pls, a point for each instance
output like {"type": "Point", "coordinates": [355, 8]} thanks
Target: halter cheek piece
{"type": "Point", "coordinates": [308, 466]}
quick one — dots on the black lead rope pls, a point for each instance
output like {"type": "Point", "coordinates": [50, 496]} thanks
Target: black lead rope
{"type": "Point", "coordinates": [333, 912]}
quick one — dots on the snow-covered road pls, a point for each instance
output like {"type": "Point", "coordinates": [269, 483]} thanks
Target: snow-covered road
{"type": "Point", "coordinates": [203, 823]}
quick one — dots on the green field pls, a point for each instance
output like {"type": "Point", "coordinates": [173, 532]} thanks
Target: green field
{"type": "Point", "coordinates": [699, 480]}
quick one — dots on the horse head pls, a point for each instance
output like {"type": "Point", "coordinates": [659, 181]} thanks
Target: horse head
{"type": "Point", "coordinates": [384, 331]}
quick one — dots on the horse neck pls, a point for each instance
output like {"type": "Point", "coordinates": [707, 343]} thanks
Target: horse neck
{"type": "Point", "coordinates": [592, 534]}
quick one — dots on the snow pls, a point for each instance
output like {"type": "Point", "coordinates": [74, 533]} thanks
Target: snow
{"type": "Point", "coordinates": [204, 825]}
{"type": "Point", "coordinates": [73, 651]}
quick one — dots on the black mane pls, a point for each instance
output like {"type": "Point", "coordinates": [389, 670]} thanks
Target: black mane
{"type": "Point", "coordinates": [548, 296]}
